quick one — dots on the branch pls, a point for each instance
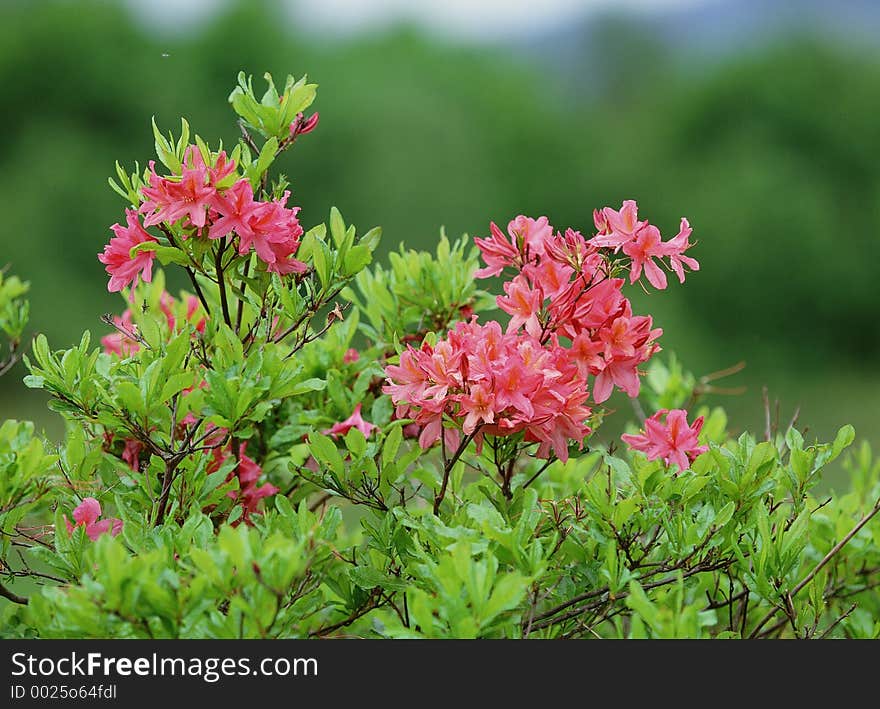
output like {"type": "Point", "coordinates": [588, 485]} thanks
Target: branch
{"type": "Point", "coordinates": [370, 605]}
{"type": "Point", "coordinates": [14, 597]}
{"type": "Point", "coordinates": [546, 619]}
{"type": "Point", "coordinates": [5, 366]}
{"type": "Point", "coordinates": [238, 317]}
{"type": "Point", "coordinates": [551, 459]}
{"type": "Point", "coordinates": [221, 283]}
{"type": "Point", "coordinates": [837, 622]}
{"type": "Point", "coordinates": [192, 276]}
{"type": "Point", "coordinates": [167, 480]}
{"type": "Point", "coordinates": [448, 464]}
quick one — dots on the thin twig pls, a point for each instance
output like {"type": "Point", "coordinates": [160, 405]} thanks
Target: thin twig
{"type": "Point", "coordinates": [837, 622]}
{"type": "Point", "coordinates": [238, 317]}
{"type": "Point", "coordinates": [221, 283]}
{"type": "Point", "coordinates": [449, 464]}
{"type": "Point", "coordinates": [192, 276]}
{"type": "Point", "coordinates": [544, 467]}
{"type": "Point", "coordinates": [14, 597]}
{"type": "Point", "coordinates": [818, 567]}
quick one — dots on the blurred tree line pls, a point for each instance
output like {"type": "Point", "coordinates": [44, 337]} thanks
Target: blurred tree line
{"type": "Point", "coordinates": [773, 156]}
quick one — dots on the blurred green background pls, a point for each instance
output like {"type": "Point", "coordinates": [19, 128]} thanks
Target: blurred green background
{"type": "Point", "coordinates": [768, 141]}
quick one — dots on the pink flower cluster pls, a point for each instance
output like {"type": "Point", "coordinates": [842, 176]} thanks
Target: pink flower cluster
{"type": "Point", "coordinates": [642, 242]}
{"type": "Point", "coordinates": [673, 440]}
{"type": "Point", "coordinates": [86, 515]}
{"type": "Point", "coordinates": [120, 344]}
{"type": "Point", "coordinates": [196, 199]}
{"type": "Point", "coordinates": [569, 321]}
{"type": "Point", "coordinates": [248, 473]}
{"type": "Point", "coordinates": [563, 288]}
{"type": "Point", "coordinates": [501, 382]}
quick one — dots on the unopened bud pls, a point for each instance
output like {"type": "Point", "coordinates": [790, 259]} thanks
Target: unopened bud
{"type": "Point", "coordinates": [301, 125]}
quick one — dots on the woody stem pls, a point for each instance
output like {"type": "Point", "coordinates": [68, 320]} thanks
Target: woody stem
{"type": "Point", "coordinates": [221, 282]}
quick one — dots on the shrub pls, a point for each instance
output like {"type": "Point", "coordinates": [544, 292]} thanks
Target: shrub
{"type": "Point", "coordinates": [307, 444]}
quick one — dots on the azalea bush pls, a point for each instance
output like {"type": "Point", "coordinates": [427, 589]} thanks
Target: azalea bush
{"type": "Point", "coordinates": [304, 442]}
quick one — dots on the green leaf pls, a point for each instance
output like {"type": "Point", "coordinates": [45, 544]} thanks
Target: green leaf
{"type": "Point", "coordinates": [366, 577]}
{"type": "Point", "coordinates": [694, 486]}
{"type": "Point", "coordinates": [371, 238]}
{"type": "Point", "coordinates": [165, 151]}
{"type": "Point", "coordinates": [356, 259]}
{"type": "Point", "coordinates": [356, 442]}
{"type": "Point", "coordinates": [175, 384]}
{"type": "Point", "coordinates": [130, 396]}
{"type": "Point", "coordinates": [725, 514]}
{"type": "Point", "coordinates": [263, 162]}
{"type": "Point", "coordinates": [324, 450]}
{"type": "Point", "coordinates": [303, 387]}
{"type": "Point", "coordinates": [337, 227]}
{"type": "Point", "coordinates": [507, 594]}
{"type": "Point", "coordinates": [391, 445]}
{"type": "Point", "coordinates": [844, 438]}
{"type": "Point", "coordinates": [165, 254]}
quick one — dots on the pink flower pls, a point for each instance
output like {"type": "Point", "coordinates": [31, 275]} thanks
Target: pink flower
{"type": "Point", "coordinates": [353, 421]}
{"type": "Point", "coordinates": [407, 380]}
{"type": "Point", "coordinates": [273, 230]}
{"type": "Point", "coordinates": [620, 373]}
{"type": "Point", "coordinates": [586, 353]}
{"type": "Point", "coordinates": [646, 247]}
{"type": "Point", "coordinates": [235, 207]}
{"type": "Point", "coordinates": [551, 277]}
{"type": "Point", "coordinates": [530, 235]}
{"type": "Point", "coordinates": [443, 366]}
{"type": "Point", "coordinates": [569, 321]}
{"type": "Point", "coordinates": [627, 342]}
{"type": "Point", "coordinates": [514, 387]}
{"type": "Point", "coordinates": [587, 308]}
{"type": "Point", "coordinates": [223, 168]}
{"type": "Point", "coordinates": [526, 243]}
{"type": "Point", "coordinates": [498, 252]}
{"type": "Point", "coordinates": [673, 441]}
{"type": "Point", "coordinates": [477, 406]}
{"type": "Point", "coordinates": [121, 267]}
{"type": "Point", "coordinates": [285, 262]}
{"type": "Point", "coordinates": [616, 228]}
{"type": "Point", "coordinates": [626, 335]}
{"type": "Point", "coordinates": [573, 250]}
{"type": "Point", "coordinates": [523, 303]}
{"type": "Point", "coordinates": [676, 246]}
{"type": "Point", "coordinates": [86, 515]}
{"type": "Point", "coordinates": [189, 197]}
{"type": "Point", "coordinates": [351, 355]}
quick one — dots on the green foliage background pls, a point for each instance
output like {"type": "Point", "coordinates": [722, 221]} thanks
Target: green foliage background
{"type": "Point", "coordinates": [772, 156]}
